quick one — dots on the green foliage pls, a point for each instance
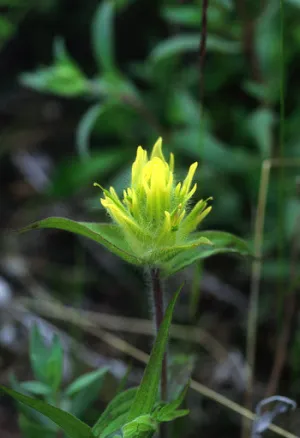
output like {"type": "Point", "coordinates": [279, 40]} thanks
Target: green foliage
{"type": "Point", "coordinates": [131, 101]}
{"type": "Point", "coordinates": [171, 259]}
{"type": "Point", "coordinates": [72, 426]}
{"type": "Point", "coordinates": [63, 406]}
{"type": "Point", "coordinates": [102, 35]}
{"type": "Point", "coordinates": [115, 414]}
{"type": "Point", "coordinates": [69, 177]}
{"type": "Point", "coordinates": [222, 242]}
{"type": "Point", "coordinates": [106, 234]}
{"type": "Point", "coordinates": [63, 78]}
{"type": "Point", "coordinates": [170, 411]}
{"type": "Point", "coordinates": [147, 393]}
{"type": "Point", "coordinates": [47, 363]}
{"type": "Point", "coordinates": [132, 411]}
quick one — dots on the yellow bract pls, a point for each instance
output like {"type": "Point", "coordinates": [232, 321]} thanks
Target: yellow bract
{"type": "Point", "coordinates": [154, 213]}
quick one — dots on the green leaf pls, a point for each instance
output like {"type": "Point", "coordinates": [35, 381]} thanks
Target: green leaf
{"type": "Point", "coordinates": [85, 127]}
{"type": "Point", "coordinates": [222, 242]}
{"type": "Point", "coordinates": [84, 381]}
{"type": "Point", "coordinates": [36, 388]}
{"type": "Point", "coordinates": [72, 426]}
{"type": "Point", "coordinates": [185, 15]}
{"type": "Point", "coordinates": [47, 362]}
{"type": "Point", "coordinates": [33, 430]}
{"type": "Point", "coordinates": [260, 127]}
{"type": "Point", "coordinates": [294, 3]}
{"type": "Point", "coordinates": [31, 414]}
{"type": "Point", "coordinates": [54, 366]}
{"type": "Point", "coordinates": [147, 391]}
{"type": "Point", "coordinates": [180, 370]}
{"type": "Point", "coordinates": [291, 216]}
{"type": "Point", "coordinates": [143, 426]}
{"type": "Point", "coordinates": [167, 253]}
{"type": "Point", "coordinates": [183, 108]}
{"type": "Point", "coordinates": [114, 416]}
{"type": "Point", "coordinates": [102, 35]}
{"type": "Point", "coordinates": [85, 390]}
{"type": "Point", "coordinates": [169, 411]}
{"type": "Point", "coordinates": [39, 354]}
{"type": "Point", "coordinates": [64, 77]}
{"type": "Point", "coordinates": [207, 147]}
{"type": "Point", "coordinates": [179, 45]}
{"type": "Point", "coordinates": [71, 176]}
{"type": "Point", "coordinates": [107, 235]}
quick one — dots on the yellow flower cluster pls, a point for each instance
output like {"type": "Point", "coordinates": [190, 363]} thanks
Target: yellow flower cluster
{"type": "Point", "coordinates": [154, 210]}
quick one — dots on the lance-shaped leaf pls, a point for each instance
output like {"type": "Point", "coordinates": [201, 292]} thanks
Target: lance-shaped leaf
{"type": "Point", "coordinates": [147, 392]}
{"type": "Point", "coordinates": [114, 416]}
{"type": "Point", "coordinates": [108, 235]}
{"type": "Point", "coordinates": [170, 411]}
{"type": "Point", "coordinates": [221, 242]}
{"type": "Point", "coordinates": [72, 426]}
{"type": "Point", "coordinates": [103, 35]}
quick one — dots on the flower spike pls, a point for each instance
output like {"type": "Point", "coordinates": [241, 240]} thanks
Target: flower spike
{"type": "Point", "coordinates": [153, 213]}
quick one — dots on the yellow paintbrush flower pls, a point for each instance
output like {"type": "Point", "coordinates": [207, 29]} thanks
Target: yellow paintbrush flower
{"type": "Point", "coordinates": [154, 213]}
{"type": "Point", "coordinates": [153, 224]}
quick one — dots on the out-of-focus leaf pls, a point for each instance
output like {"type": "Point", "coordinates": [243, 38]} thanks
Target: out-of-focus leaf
{"type": "Point", "coordinates": [103, 35]}
{"type": "Point", "coordinates": [70, 177]}
{"type": "Point", "coordinates": [32, 415]}
{"type": "Point", "coordinates": [64, 77]}
{"type": "Point", "coordinates": [190, 16]}
{"type": "Point", "coordinates": [185, 15]}
{"type": "Point", "coordinates": [183, 108]}
{"type": "Point", "coordinates": [222, 243]}
{"type": "Point", "coordinates": [180, 370]}
{"type": "Point", "coordinates": [267, 39]}
{"type": "Point", "coordinates": [147, 391]}
{"type": "Point", "coordinates": [114, 416]}
{"type": "Point", "coordinates": [107, 235]}
{"type": "Point", "coordinates": [85, 390]}
{"type": "Point", "coordinates": [36, 388]}
{"type": "Point", "coordinates": [85, 127]}
{"type": "Point", "coordinates": [181, 44]}
{"type": "Point", "coordinates": [46, 361]}
{"type": "Point", "coordinates": [55, 364]}
{"type": "Point", "coordinates": [273, 269]}
{"type": "Point", "coordinates": [61, 80]}
{"type": "Point", "coordinates": [33, 430]}
{"type": "Point", "coordinates": [292, 217]}
{"type": "Point", "coordinates": [39, 354]}
{"type": "Point", "coordinates": [260, 126]}
{"type": "Point", "coordinates": [294, 2]}
{"type": "Point", "coordinates": [85, 381]}
{"type": "Point", "coordinates": [72, 426]}
{"type": "Point", "coordinates": [117, 87]}
{"type": "Point", "coordinates": [256, 90]}
{"type": "Point", "coordinates": [200, 144]}
{"type": "Point", "coordinates": [83, 399]}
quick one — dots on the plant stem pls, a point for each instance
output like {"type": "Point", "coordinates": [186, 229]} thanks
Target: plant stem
{"type": "Point", "coordinates": [158, 299]}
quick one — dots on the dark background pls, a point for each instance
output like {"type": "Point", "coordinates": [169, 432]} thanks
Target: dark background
{"type": "Point", "coordinates": [79, 91]}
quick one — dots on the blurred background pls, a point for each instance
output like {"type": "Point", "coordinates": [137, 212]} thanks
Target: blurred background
{"type": "Point", "coordinates": [82, 84]}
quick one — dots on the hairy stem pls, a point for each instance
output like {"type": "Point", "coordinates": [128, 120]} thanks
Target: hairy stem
{"type": "Point", "coordinates": [158, 300]}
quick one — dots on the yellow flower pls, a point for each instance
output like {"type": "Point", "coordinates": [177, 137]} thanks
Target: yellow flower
{"type": "Point", "coordinates": [154, 214]}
